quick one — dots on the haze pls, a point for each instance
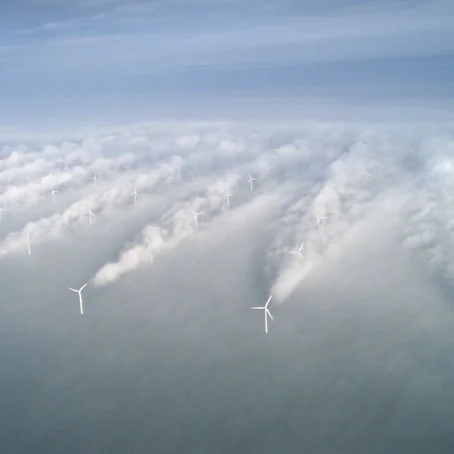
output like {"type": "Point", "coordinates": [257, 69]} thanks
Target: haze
{"type": "Point", "coordinates": [341, 111]}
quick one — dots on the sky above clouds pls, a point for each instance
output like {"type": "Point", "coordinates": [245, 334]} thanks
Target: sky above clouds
{"type": "Point", "coordinates": [108, 59]}
{"type": "Point", "coordinates": [341, 112]}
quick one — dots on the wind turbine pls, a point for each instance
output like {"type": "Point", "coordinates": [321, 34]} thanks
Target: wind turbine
{"type": "Point", "coordinates": [228, 195]}
{"type": "Point", "coordinates": [196, 216]}
{"type": "Point", "coordinates": [67, 167]}
{"type": "Point", "coordinates": [169, 178]}
{"type": "Point", "coordinates": [266, 311]}
{"type": "Point", "coordinates": [28, 243]}
{"type": "Point", "coordinates": [251, 179]}
{"type": "Point", "coordinates": [298, 251]}
{"type": "Point", "coordinates": [80, 297]}
{"type": "Point", "coordinates": [90, 215]}
{"type": "Point", "coordinates": [135, 194]}
{"type": "Point", "coordinates": [52, 193]}
{"type": "Point", "coordinates": [94, 178]}
{"type": "Point", "coordinates": [149, 248]}
{"type": "Point", "coordinates": [319, 220]}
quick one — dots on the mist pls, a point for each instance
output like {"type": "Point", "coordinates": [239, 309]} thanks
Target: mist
{"type": "Point", "coordinates": [168, 354]}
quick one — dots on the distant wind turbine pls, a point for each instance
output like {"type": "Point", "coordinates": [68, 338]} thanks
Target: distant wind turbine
{"type": "Point", "coordinates": [90, 215]}
{"type": "Point", "coordinates": [80, 297]}
{"type": "Point", "coordinates": [298, 251]}
{"type": "Point", "coordinates": [149, 248]}
{"type": "Point", "coordinates": [52, 193]}
{"type": "Point", "coordinates": [266, 311]}
{"type": "Point", "coordinates": [227, 195]}
{"type": "Point", "coordinates": [67, 167]}
{"type": "Point", "coordinates": [196, 216]}
{"type": "Point", "coordinates": [319, 220]}
{"type": "Point", "coordinates": [28, 243]}
{"type": "Point", "coordinates": [94, 178]}
{"type": "Point", "coordinates": [169, 178]}
{"type": "Point", "coordinates": [251, 179]}
{"type": "Point", "coordinates": [135, 194]}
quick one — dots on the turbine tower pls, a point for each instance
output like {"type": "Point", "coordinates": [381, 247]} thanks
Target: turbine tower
{"type": "Point", "coordinates": [149, 248]}
{"type": "Point", "coordinates": [169, 178]}
{"type": "Point", "coordinates": [227, 195]}
{"type": "Point", "coordinates": [266, 311]}
{"type": "Point", "coordinates": [80, 297]}
{"type": "Point", "coordinates": [196, 216]}
{"type": "Point", "coordinates": [52, 193]}
{"type": "Point", "coordinates": [135, 194]}
{"type": "Point", "coordinates": [90, 215]}
{"type": "Point", "coordinates": [251, 179]}
{"type": "Point", "coordinates": [28, 243]}
{"type": "Point", "coordinates": [298, 251]}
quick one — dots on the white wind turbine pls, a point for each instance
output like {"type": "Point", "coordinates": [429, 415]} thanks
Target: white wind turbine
{"type": "Point", "coordinates": [90, 215]}
{"type": "Point", "coordinates": [94, 178]}
{"type": "Point", "coordinates": [298, 251]}
{"type": "Point", "coordinates": [28, 243]}
{"type": "Point", "coordinates": [251, 179]}
{"type": "Point", "coordinates": [135, 194]}
{"type": "Point", "coordinates": [67, 167]}
{"type": "Point", "coordinates": [52, 193]}
{"type": "Point", "coordinates": [319, 220]}
{"type": "Point", "coordinates": [227, 195]}
{"type": "Point", "coordinates": [266, 311]}
{"type": "Point", "coordinates": [196, 216]}
{"type": "Point", "coordinates": [80, 297]}
{"type": "Point", "coordinates": [149, 248]}
{"type": "Point", "coordinates": [169, 178]}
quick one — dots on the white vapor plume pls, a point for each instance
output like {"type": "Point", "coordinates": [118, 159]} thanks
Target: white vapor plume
{"type": "Point", "coordinates": [327, 177]}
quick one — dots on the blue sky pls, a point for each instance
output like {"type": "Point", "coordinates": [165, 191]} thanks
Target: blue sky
{"type": "Point", "coordinates": [95, 59]}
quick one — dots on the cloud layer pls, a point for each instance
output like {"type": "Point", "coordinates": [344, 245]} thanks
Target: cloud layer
{"type": "Point", "coordinates": [322, 179]}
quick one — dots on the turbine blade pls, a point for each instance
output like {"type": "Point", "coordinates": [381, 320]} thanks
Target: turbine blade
{"type": "Point", "coordinates": [83, 286]}
{"type": "Point", "coordinates": [258, 307]}
{"type": "Point", "coordinates": [74, 290]}
{"type": "Point", "coordinates": [269, 313]}
{"type": "Point", "coordinates": [268, 302]}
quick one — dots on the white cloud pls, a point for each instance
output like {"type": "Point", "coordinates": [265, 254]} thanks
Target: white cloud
{"type": "Point", "coordinates": [339, 171]}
